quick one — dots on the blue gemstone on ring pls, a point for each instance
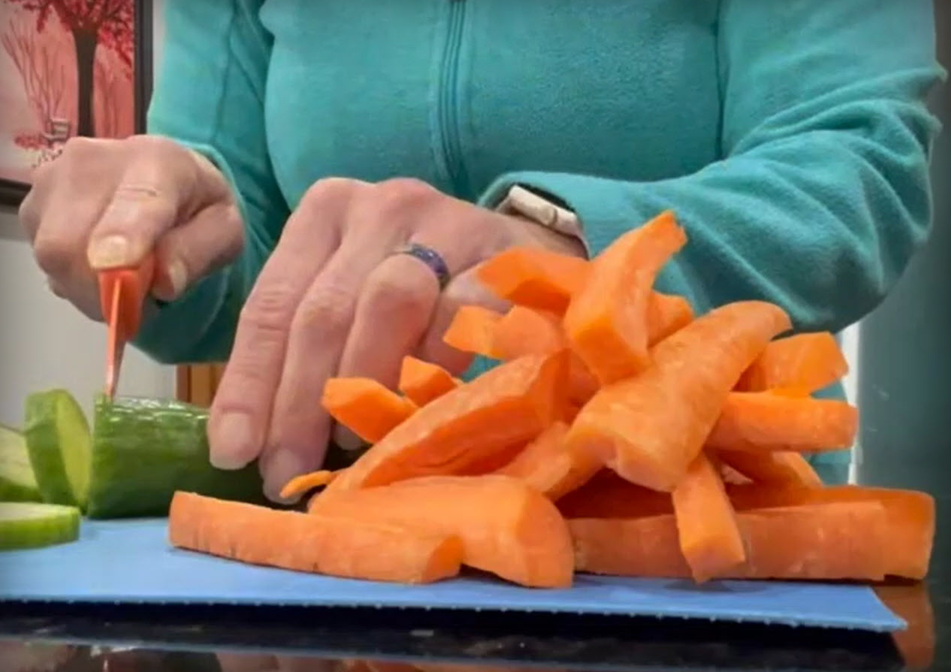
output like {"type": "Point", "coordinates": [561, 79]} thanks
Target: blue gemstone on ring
{"type": "Point", "coordinates": [432, 259]}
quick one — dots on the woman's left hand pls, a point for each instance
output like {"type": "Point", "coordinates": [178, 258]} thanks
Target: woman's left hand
{"type": "Point", "coordinates": [338, 298]}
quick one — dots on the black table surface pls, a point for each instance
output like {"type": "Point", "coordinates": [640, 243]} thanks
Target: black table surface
{"type": "Point", "coordinates": [44, 637]}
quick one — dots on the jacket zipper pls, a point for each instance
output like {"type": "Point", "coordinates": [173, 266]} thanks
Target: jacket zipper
{"type": "Point", "coordinates": [448, 98]}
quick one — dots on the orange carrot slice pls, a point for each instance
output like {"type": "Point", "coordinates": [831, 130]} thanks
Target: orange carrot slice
{"type": "Point", "coordinates": [506, 527]}
{"type": "Point", "coordinates": [607, 320]}
{"type": "Point", "coordinates": [772, 467]}
{"type": "Point", "coordinates": [471, 331]}
{"type": "Point", "coordinates": [365, 407]}
{"type": "Point", "coordinates": [344, 547]}
{"type": "Point", "coordinates": [808, 362]}
{"type": "Point", "coordinates": [759, 421]}
{"type": "Point", "coordinates": [534, 278]}
{"type": "Point", "coordinates": [422, 382]}
{"type": "Point", "coordinates": [508, 404]}
{"type": "Point", "coordinates": [306, 482]}
{"type": "Point", "coordinates": [835, 541]}
{"type": "Point", "coordinates": [549, 466]}
{"type": "Point", "coordinates": [651, 427]}
{"type": "Point", "coordinates": [607, 495]}
{"type": "Point", "coordinates": [910, 517]}
{"type": "Point", "coordinates": [706, 524]}
{"type": "Point", "coordinates": [665, 315]}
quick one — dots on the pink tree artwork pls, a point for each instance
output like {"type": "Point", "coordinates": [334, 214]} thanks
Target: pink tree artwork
{"type": "Point", "coordinates": [68, 70]}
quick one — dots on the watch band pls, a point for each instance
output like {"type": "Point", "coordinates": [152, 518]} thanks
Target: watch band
{"type": "Point", "coordinates": [530, 205]}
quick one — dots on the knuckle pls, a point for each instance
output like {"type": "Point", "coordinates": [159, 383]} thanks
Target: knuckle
{"type": "Point", "coordinates": [400, 192]}
{"type": "Point", "coordinates": [328, 308]}
{"type": "Point", "coordinates": [266, 311]}
{"type": "Point", "coordinates": [80, 148]}
{"type": "Point", "coordinates": [327, 189]}
{"type": "Point", "coordinates": [54, 254]}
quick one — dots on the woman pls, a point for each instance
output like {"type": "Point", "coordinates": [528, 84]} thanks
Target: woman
{"type": "Point", "coordinates": [296, 149]}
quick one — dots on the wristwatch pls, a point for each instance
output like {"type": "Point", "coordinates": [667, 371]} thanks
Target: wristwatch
{"type": "Point", "coordinates": [545, 210]}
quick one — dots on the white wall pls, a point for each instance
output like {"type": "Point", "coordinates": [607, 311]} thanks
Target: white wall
{"type": "Point", "coordinates": [44, 342]}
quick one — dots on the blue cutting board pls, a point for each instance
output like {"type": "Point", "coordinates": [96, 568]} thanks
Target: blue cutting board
{"type": "Point", "coordinates": [131, 562]}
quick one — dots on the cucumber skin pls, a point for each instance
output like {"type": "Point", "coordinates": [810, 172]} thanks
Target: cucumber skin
{"type": "Point", "coordinates": [146, 449]}
{"type": "Point", "coordinates": [26, 534]}
{"type": "Point", "coordinates": [42, 441]}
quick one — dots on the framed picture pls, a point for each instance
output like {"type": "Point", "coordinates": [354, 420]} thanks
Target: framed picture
{"type": "Point", "coordinates": [69, 68]}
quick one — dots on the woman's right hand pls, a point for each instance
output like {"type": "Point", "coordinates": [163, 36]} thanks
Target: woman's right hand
{"type": "Point", "coordinates": [109, 203]}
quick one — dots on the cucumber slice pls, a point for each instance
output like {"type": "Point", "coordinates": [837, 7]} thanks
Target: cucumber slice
{"type": "Point", "coordinates": [59, 442]}
{"type": "Point", "coordinates": [32, 525]}
{"type": "Point", "coordinates": [145, 449]}
{"type": "Point", "coordinates": [17, 482]}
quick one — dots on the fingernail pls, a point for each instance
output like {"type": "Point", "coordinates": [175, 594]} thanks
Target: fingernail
{"type": "Point", "coordinates": [110, 252]}
{"type": "Point", "coordinates": [347, 440]}
{"type": "Point", "coordinates": [233, 444]}
{"type": "Point", "coordinates": [280, 467]}
{"type": "Point", "coordinates": [177, 277]}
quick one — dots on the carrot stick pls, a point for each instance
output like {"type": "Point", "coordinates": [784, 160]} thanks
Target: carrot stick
{"type": "Point", "coordinates": [607, 495]}
{"type": "Point", "coordinates": [471, 331]}
{"type": "Point", "coordinates": [534, 278]}
{"type": "Point", "coordinates": [808, 362]}
{"type": "Point", "coordinates": [835, 541]}
{"type": "Point", "coordinates": [607, 319]}
{"type": "Point", "coordinates": [910, 517]}
{"type": "Point", "coordinates": [422, 382]}
{"type": "Point", "coordinates": [509, 404]}
{"type": "Point", "coordinates": [651, 427]}
{"type": "Point", "coordinates": [763, 421]}
{"type": "Point", "coordinates": [772, 467]}
{"type": "Point", "coordinates": [344, 547]}
{"type": "Point", "coordinates": [706, 524]}
{"type": "Point", "coordinates": [304, 483]}
{"type": "Point", "coordinates": [547, 465]}
{"type": "Point", "coordinates": [665, 315]}
{"type": "Point", "coordinates": [506, 527]}
{"type": "Point", "coordinates": [366, 407]}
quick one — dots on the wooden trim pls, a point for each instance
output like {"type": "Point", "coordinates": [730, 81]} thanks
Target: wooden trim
{"type": "Point", "coordinates": [197, 383]}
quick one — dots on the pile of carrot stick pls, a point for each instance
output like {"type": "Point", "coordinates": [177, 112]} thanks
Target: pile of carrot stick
{"type": "Point", "coordinates": [620, 434]}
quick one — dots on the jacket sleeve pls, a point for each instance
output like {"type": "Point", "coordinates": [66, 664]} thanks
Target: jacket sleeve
{"type": "Point", "coordinates": [822, 194]}
{"type": "Point", "coordinates": [209, 97]}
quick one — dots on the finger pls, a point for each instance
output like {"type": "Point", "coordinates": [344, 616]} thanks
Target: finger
{"type": "Point", "coordinates": [393, 311]}
{"type": "Point", "coordinates": [299, 428]}
{"type": "Point", "coordinates": [241, 410]}
{"type": "Point", "coordinates": [208, 241]}
{"type": "Point", "coordinates": [160, 187]}
{"type": "Point", "coordinates": [463, 290]}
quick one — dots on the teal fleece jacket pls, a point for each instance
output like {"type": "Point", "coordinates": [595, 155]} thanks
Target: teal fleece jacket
{"type": "Point", "coordinates": [791, 139]}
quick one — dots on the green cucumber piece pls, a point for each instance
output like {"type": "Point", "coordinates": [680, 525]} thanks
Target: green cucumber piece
{"type": "Point", "coordinates": [32, 525]}
{"type": "Point", "coordinates": [17, 481]}
{"type": "Point", "coordinates": [58, 441]}
{"type": "Point", "coordinates": [146, 449]}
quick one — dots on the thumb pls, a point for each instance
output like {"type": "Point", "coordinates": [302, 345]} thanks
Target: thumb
{"type": "Point", "coordinates": [208, 241]}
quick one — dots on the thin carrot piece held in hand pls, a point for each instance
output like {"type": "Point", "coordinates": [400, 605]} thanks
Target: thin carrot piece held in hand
{"type": "Point", "coordinates": [534, 277]}
{"type": "Point", "coordinates": [651, 427]}
{"type": "Point", "coordinates": [365, 407]}
{"type": "Point", "coordinates": [422, 382]}
{"type": "Point", "coordinates": [772, 467]}
{"type": "Point", "coordinates": [706, 523]}
{"type": "Point", "coordinates": [835, 541]}
{"type": "Point", "coordinates": [508, 405]}
{"type": "Point", "coordinates": [306, 482]}
{"type": "Point", "coordinates": [547, 464]}
{"type": "Point", "coordinates": [344, 547]}
{"type": "Point", "coordinates": [471, 331]}
{"type": "Point", "coordinates": [607, 320]}
{"type": "Point", "coordinates": [506, 526]}
{"type": "Point", "coordinates": [807, 362]}
{"type": "Point", "coordinates": [763, 421]}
